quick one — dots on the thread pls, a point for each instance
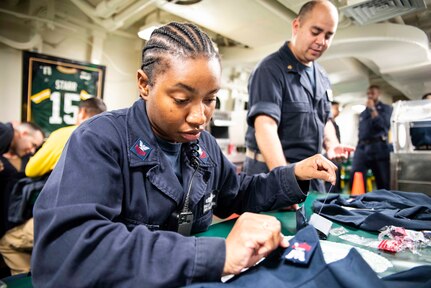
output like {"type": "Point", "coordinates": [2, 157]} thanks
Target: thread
{"type": "Point", "coordinates": [326, 197]}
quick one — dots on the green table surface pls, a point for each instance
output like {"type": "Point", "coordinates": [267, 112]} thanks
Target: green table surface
{"type": "Point", "coordinates": [401, 261]}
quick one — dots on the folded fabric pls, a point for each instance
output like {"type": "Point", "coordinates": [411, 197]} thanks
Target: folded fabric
{"type": "Point", "coordinates": [351, 271]}
{"type": "Point", "coordinates": [374, 210]}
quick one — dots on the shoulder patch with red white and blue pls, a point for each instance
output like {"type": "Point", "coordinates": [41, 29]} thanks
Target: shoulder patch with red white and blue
{"type": "Point", "coordinates": [141, 149]}
{"type": "Point", "coordinates": [202, 154]}
{"type": "Point", "coordinates": [302, 247]}
{"type": "Point", "coordinates": [299, 253]}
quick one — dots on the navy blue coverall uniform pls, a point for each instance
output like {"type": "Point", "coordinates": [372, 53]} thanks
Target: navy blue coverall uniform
{"type": "Point", "coordinates": [280, 88]}
{"type": "Point", "coordinates": [6, 137]}
{"type": "Point", "coordinates": [373, 150]}
{"type": "Point", "coordinates": [99, 218]}
{"type": "Point", "coordinates": [6, 175]}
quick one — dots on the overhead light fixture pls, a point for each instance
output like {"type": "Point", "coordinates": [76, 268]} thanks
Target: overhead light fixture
{"type": "Point", "coordinates": [184, 2]}
{"type": "Point", "coordinates": [146, 30]}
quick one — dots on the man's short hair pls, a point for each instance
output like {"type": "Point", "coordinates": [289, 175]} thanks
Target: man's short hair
{"type": "Point", "coordinates": [93, 106]}
{"type": "Point", "coordinates": [306, 9]}
{"type": "Point", "coordinates": [425, 96]}
{"type": "Point", "coordinates": [33, 128]}
{"type": "Point", "coordinates": [374, 87]}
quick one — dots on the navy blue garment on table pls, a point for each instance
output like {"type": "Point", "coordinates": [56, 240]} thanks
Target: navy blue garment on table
{"type": "Point", "coordinates": [416, 277]}
{"type": "Point", "coordinates": [351, 271]}
{"type": "Point", "coordinates": [379, 208]}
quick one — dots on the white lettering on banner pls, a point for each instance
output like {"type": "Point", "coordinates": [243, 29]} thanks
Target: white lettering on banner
{"type": "Point", "coordinates": [66, 85]}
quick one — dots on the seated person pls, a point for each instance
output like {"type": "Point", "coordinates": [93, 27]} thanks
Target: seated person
{"type": "Point", "coordinates": [20, 139]}
{"type": "Point", "coordinates": [16, 245]}
{"type": "Point", "coordinates": [17, 141]}
{"type": "Point", "coordinates": [132, 185]}
{"type": "Point", "coordinates": [47, 157]}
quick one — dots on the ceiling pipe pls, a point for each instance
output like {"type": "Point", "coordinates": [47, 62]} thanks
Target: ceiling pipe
{"type": "Point", "coordinates": [47, 21]}
{"type": "Point", "coordinates": [117, 21]}
{"type": "Point", "coordinates": [278, 9]}
{"type": "Point", "coordinates": [107, 8]}
{"type": "Point", "coordinates": [372, 43]}
{"type": "Point", "coordinates": [34, 43]}
{"type": "Point", "coordinates": [136, 8]}
{"type": "Point", "coordinates": [78, 22]}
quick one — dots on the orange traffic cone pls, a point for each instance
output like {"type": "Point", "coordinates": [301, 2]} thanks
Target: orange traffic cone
{"type": "Point", "coordinates": [358, 186]}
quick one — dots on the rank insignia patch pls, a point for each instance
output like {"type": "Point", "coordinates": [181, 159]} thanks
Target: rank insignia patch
{"type": "Point", "coordinates": [141, 149]}
{"type": "Point", "coordinates": [299, 252]}
{"type": "Point", "coordinates": [202, 154]}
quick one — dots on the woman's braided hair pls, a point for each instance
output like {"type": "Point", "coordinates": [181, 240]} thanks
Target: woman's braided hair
{"type": "Point", "coordinates": [177, 39]}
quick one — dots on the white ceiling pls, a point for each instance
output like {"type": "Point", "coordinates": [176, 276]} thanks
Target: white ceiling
{"type": "Point", "coordinates": [394, 53]}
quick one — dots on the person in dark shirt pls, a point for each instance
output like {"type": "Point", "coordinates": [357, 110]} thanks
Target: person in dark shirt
{"type": "Point", "coordinates": [133, 185]}
{"type": "Point", "coordinates": [20, 138]}
{"type": "Point", "coordinates": [373, 149]}
{"type": "Point", "coordinates": [289, 98]}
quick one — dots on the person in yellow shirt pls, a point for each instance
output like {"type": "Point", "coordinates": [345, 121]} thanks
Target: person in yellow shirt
{"type": "Point", "coordinates": [45, 159]}
{"type": "Point", "coordinates": [16, 245]}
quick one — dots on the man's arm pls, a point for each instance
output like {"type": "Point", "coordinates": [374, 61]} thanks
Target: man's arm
{"type": "Point", "coordinates": [329, 136]}
{"type": "Point", "coordinates": [268, 141]}
{"type": "Point", "coordinates": [334, 149]}
{"type": "Point", "coordinates": [269, 144]}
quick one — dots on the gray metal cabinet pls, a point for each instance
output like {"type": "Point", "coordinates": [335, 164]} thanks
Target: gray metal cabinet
{"type": "Point", "coordinates": [411, 171]}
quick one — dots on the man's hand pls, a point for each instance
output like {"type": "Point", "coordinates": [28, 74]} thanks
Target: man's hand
{"type": "Point", "coordinates": [339, 152]}
{"type": "Point", "coordinates": [371, 104]}
{"type": "Point", "coordinates": [252, 237]}
{"type": "Point", "coordinates": [316, 167]}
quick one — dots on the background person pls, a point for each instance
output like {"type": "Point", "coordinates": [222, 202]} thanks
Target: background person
{"type": "Point", "coordinates": [289, 97]}
{"type": "Point", "coordinates": [110, 205]}
{"type": "Point", "coordinates": [373, 149]}
{"type": "Point", "coordinates": [20, 138]}
{"type": "Point", "coordinates": [47, 157]}
{"type": "Point", "coordinates": [17, 244]}
{"type": "Point", "coordinates": [17, 141]}
{"type": "Point", "coordinates": [335, 111]}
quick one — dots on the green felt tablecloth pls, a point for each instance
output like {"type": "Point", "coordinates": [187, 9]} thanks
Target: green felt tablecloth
{"type": "Point", "coordinates": [401, 261]}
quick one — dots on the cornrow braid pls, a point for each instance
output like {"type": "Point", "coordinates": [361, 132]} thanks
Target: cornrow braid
{"type": "Point", "coordinates": [186, 32]}
{"type": "Point", "coordinates": [178, 39]}
{"type": "Point", "coordinates": [175, 37]}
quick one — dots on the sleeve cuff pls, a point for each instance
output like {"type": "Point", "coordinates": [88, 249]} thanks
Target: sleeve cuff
{"type": "Point", "coordinates": [210, 258]}
{"type": "Point", "coordinates": [294, 189]}
{"type": "Point", "coordinates": [266, 108]}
